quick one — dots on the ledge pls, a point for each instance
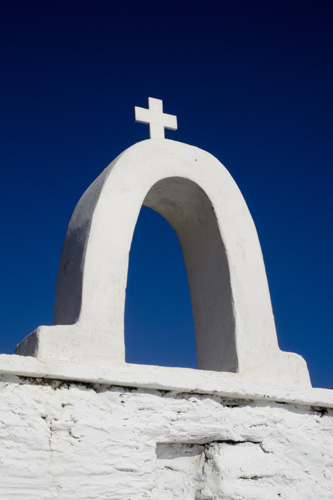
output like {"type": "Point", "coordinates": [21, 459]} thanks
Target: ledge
{"type": "Point", "coordinates": [227, 385]}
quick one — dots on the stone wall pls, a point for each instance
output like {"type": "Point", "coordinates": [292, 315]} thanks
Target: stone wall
{"type": "Point", "coordinates": [70, 440]}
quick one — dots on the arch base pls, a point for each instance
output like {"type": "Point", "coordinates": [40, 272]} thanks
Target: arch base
{"type": "Point", "coordinates": [72, 343]}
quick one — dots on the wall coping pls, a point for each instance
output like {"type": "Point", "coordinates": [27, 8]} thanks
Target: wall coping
{"type": "Point", "coordinates": [177, 380]}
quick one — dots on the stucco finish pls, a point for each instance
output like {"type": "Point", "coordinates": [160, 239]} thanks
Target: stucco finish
{"type": "Point", "coordinates": [65, 440]}
{"type": "Point", "coordinates": [234, 324]}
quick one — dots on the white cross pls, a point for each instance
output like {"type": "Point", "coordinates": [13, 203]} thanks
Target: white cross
{"type": "Point", "coordinates": [155, 117]}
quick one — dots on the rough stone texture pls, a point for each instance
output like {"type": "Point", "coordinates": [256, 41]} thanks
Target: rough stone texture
{"type": "Point", "coordinates": [66, 440]}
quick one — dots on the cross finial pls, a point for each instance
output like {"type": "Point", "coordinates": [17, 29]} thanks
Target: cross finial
{"type": "Point", "coordinates": [155, 117]}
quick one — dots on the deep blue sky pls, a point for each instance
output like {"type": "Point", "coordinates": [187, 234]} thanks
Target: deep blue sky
{"type": "Point", "coordinates": [250, 82]}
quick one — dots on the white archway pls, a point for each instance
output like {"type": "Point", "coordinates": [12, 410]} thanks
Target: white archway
{"type": "Point", "coordinates": [234, 323]}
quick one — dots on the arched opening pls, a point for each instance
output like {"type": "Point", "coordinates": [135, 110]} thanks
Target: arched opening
{"type": "Point", "coordinates": [232, 313]}
{"type": "Point", "coordinates": [190, 213]}
{"type": "Point", "coordinates": [159, 328]}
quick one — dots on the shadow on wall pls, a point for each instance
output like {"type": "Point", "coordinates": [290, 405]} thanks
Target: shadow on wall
{"type": "Point", "coordinates": [191, 215]}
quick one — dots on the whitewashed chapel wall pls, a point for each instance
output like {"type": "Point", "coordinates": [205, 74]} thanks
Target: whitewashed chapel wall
{"type": "Point", "coordinates": [66, 440]}
{"type": "Point", "coordinates": [176, 433]}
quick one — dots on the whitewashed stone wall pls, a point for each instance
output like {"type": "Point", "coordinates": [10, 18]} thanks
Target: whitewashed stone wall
{"type": "Point", "coordinates": [70, 440]}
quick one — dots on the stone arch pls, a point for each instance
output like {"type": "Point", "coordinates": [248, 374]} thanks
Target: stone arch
{"type": "Point", "coordinates": [92, 277]}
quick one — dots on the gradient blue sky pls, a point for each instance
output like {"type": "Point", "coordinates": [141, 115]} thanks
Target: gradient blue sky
{"type": "Point", "coordinates": [250, 82]}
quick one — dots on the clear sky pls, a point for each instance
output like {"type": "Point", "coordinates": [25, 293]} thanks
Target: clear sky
{"type": "Point", "coordinates": [250, 82]}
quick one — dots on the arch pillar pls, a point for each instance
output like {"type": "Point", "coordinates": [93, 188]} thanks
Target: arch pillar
{"type": "Point", "coordinates": [234, 324]}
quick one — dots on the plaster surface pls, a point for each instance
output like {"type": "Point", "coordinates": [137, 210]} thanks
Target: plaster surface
{"type": "Point", "coordinates": [63, 440]}
{"type": "Point", "coordinates": [234, 324]}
